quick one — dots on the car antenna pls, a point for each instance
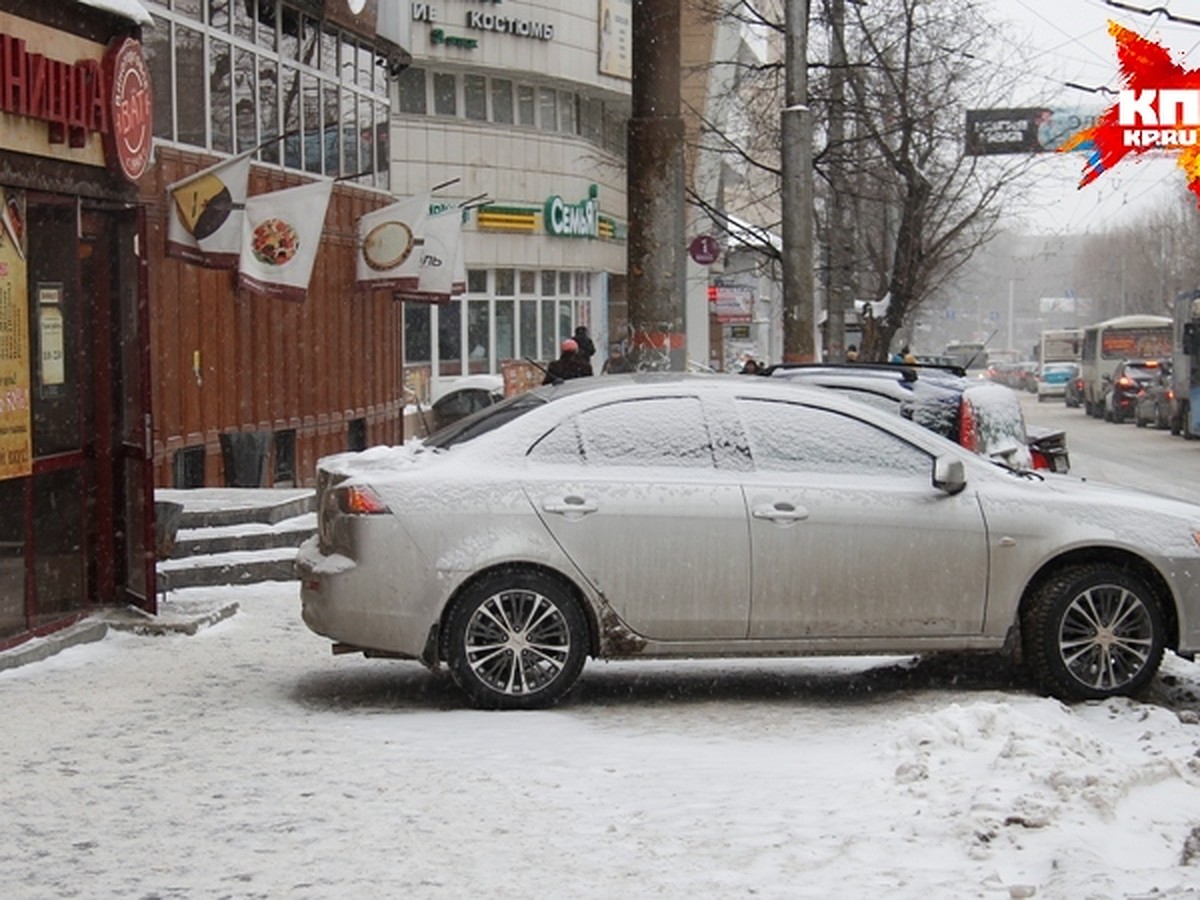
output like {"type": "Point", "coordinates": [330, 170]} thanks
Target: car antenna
{"type": "Point", "coordinates": [981, 349]}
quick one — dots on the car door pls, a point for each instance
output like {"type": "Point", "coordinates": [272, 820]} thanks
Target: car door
{"type": "Point", "coordinates": [848, 536]}
{"type": "Point", "coordinates": [630, 492]}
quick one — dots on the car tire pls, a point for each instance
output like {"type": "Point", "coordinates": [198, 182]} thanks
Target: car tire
{"type": "Point", "coordinates": [1092, 632]}
{"type": "Point", "coordinates": [516, 639]}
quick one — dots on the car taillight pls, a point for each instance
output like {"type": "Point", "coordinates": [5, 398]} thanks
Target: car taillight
{"type": "Point", "coordinates": [1170, 394]}
{"type": "Point", "coordinates": [968, 431]}
{"type": "Point", "coordinates": [360, 500]}
{"type": "Point", "coordinates": [1040, 460]}
{"type": "Point", "coordinates": [1124, 382]}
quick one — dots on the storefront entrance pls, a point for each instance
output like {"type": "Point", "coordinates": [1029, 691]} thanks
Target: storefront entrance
{"type": "Point", "coordinates": [77, 532]}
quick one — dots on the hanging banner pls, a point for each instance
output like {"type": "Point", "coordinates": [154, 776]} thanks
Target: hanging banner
{"type": "Point", "coordinates": [16, 444]}
{"type": "Point", "coordinates": [441, 254]}
{"type": "Point", "coordinates": [205, 212]}
{"type": "Point", "coordinates": [281, 232]}
{"type": "Point", "coordinates": [389, 242]}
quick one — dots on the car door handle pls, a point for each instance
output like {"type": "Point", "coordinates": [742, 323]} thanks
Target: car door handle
{"type": "Point", "coordinates": [780, 512]}
{"type": "Point", "coordinates": [572, 506]}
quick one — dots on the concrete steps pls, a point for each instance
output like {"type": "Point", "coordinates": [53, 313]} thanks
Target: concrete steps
{"type": "Point", "coordinates": [232, 537]}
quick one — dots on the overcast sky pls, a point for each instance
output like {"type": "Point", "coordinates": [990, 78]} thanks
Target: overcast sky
{"type": "Point", "coordinates": [1068, 41]}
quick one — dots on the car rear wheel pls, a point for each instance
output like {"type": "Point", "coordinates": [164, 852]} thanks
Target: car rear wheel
{"type": "Point", "coordinates": [1093, 632]}
{"type": "Point", "coordinates": [517, 640]}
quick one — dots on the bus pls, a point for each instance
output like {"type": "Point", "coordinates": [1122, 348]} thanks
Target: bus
{"type": "Point", "coordinates": [1107, 343]}
{"type": "Point", "coordinates": [970, 355]}
{"type": "Point", "coordinates": [1060, 345]}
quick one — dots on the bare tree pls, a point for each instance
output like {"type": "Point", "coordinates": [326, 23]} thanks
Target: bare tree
{"type": "Point", "coordinates": [921, 205]}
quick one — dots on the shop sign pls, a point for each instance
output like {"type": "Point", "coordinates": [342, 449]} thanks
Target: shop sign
{"type": "Point", "coordinates": [16, 448]}
{"type": "Point", "coordinates": [731, 300]}
{"type": "Point", "coordinates": [109, 97]}
{"type": "Point", "coordinates": [127, 143]}
{"type": "Point", "coordinates": [581, 219]}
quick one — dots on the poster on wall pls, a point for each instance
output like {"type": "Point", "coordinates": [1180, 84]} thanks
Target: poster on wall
{"type": "Point", "coordinates": [16, 451]}
{"type": "Point", "coordinates": [616, 38]}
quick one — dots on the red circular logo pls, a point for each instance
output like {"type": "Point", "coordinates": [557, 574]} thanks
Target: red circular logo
{"type": "Point", "coordinates": [131, 130]}
{"type": "Point", "coordinates": [704, 250]}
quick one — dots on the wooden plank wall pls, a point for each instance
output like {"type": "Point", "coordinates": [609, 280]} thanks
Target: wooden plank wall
{"type": "Point", "coordinates": [268, 364]}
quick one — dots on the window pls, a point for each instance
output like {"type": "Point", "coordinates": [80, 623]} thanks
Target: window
{"type": "Point", "coordinates": [529, 330]}
{"type": "Point", "coordinates": [478, 336]}
{"type": "Point", "coordinates": [412, 91]}
{"type": "Point", "coordinates": [566, 112]}
{"type": "Point", "coordinates": [548, 109]}
{"type": "Point", "coordinates": [505, 330]}
{"type": "Point", "coordinates": [502, 101]}
{"type": "Point", "coordinates": [475, 97]}
{"type": "Point", "coordinates": [477, 281]}
{"type": "Point", "coordinates": [450, 338]}
{"type": "Point", "coordinates": [791, 437]}
{"type": "Point", "coordinates": [262, 68]}
{"type": "Point", "coordinates": [417, 345]}
{"type": "Point", "coordinates": [526, 108]}
{"type": "Point", "coordinates": [505, 282]}
{"type": "Point", "coordinates": [445, 95]}
{"type": "Point", "coordinates": [660, 431]}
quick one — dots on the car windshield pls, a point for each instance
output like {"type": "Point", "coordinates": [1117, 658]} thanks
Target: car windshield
{"type": "Point", "coordinates": [486, 419]}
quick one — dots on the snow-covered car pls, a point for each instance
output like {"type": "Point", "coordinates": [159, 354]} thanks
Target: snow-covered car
{"type": "Point", "coordinates": [659, 515]}
{"type": "Point", "coordinates": [466, 395]}
{"type": "Point", "coordinates": [981, 416]}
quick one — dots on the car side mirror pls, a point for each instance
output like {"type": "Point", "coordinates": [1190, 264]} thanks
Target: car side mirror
{"type": "Point", "coordinates": [949, 475]}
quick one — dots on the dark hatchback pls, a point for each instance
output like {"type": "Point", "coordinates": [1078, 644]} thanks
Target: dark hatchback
{"type": "Point", "coordinates": [1129, 379]}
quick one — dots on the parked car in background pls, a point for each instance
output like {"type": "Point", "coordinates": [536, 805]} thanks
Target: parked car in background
{"type": "Point", "coordinates": [466, 395]}
{"type": "Point", "coordinates": [1155, 401]}
{"type": "Point", "coordinates": [985, 418]}
{"type": "Point", "coordinates": [1053, 379]}
{"type": "Point", "coordinates": [1127, 381]}
{"type": "Point", "coordinates": [671, 515]}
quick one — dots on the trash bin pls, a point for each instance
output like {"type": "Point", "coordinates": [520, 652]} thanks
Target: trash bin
{"type": "Point", "coordinates": [244, 454]}
{"type": "Point", "coordinates": [167, 516]}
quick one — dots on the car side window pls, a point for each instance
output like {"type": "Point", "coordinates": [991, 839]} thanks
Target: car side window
{"type": "Point", "coordinates": [792, 437]}
{"type": "Point", "coordinates": [654, 431]}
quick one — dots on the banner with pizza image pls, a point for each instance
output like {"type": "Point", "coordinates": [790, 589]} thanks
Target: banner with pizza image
{"type": "Point", "coordinates": [441, 260]}
{"type": "Point", "coordinates": [205, 212]}
{"type": "Point", "coordinates": [281, 232]}
{"type": "Point", "coordinates": [388, 242]}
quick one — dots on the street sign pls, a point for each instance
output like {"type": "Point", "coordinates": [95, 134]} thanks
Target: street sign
{"type": "Point", "coordinates": [704, 250]}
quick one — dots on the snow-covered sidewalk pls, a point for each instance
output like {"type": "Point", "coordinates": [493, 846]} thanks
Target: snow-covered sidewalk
{"type": "Point", "coordinates": [247, 761]}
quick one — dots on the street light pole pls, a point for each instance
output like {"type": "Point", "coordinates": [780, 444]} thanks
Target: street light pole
{"type": "Point", "coordinates": [799, 338]}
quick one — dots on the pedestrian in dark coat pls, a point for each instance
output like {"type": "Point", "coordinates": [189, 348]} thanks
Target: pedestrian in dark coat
{"type": "Point", "coordinates": [587, 347]}
{"type": "Point", "coordinates": [570, 364]}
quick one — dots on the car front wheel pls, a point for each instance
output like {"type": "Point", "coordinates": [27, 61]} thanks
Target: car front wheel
{"type": "Point", "coordinates": [1093, 632]}
{"type": "Point", "coordinates": [516, 640]}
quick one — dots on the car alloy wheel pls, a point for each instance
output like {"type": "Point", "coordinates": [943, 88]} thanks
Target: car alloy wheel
{"type": "Point", "coordinates": [1093, 632]}
{"type": "Point", "coordinates": [517, 640]}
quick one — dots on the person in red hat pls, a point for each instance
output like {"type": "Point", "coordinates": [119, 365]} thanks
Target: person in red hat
{"type": "Point", "coordinates": [570, 364]}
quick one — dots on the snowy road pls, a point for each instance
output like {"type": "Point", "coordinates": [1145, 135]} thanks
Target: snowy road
{"type": "Point", "coordinates": [247, 762]}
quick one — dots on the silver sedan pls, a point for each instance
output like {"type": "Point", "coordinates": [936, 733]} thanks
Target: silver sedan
{"type": "Point", "coordinates": [692, 515]}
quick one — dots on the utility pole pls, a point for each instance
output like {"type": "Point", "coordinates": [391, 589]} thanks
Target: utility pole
{"type": "Point", "coordinates": [655, 253]}
{"type": "Point", "coordinates": [799, 337]}
{"type": "Point", "coordinates": [840, 295]}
